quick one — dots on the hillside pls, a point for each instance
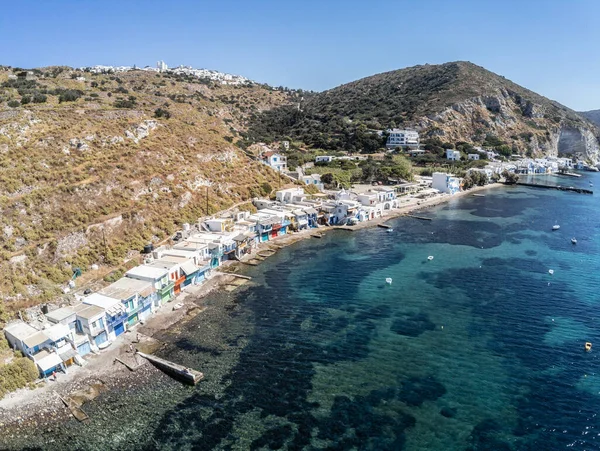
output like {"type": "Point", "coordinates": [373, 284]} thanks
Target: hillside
{"type": "Point", "coordinates": [93, 166]}
{"type": "Point", "coordinates": [454, 101]}
{"type": "Point", "coordinates": [592, 116]}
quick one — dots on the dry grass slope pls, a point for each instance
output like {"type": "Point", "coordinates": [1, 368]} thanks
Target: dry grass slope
{"type": "Point", "coordinates": [76, 175]}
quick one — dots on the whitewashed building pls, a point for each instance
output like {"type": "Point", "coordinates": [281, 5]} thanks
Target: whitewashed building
{"type": "Point", "coordinates": [452, 155]}
{"type": "Point", "coordinates": [402, 138]}
{"type": "Point", "coordinates": [445, 183]}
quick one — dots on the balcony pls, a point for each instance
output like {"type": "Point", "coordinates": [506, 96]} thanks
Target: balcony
{"type": "Point", "coordinates": [165, 289]}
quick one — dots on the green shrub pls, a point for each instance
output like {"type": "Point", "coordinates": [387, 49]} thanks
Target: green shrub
{"type": "Point", "coordinates": [14, 103]}
{"type": "Point", "coordinates": [68, 95]}
{"type": "Point", "coordinates": [161, 112]}
{"type": "Point", "coordinates": [17, 374]}
{"type": "Point", "coordinates": [38, 97]}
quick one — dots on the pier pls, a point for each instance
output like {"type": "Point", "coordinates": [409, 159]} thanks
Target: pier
{"type": "Point", "coordinates": [180, 372]}
{"type": "Point", "coordinates": [558, 187]}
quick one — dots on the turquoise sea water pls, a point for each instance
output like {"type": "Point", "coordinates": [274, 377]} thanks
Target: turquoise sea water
{"type": "Point", "coordinates": [478, 349]}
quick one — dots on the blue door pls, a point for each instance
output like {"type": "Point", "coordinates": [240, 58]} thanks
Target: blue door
{"type": "Point", "coordinates": [119, 329]}
{"type": "Point", "coordinates": [84, 348]}
{"type": "Point", "coordinates": [100, 338]}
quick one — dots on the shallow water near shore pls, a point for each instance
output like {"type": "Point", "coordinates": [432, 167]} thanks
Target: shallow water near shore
{"type": "Point", "coordinates": [479, 348]}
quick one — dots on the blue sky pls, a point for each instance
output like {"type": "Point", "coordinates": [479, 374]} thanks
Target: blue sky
{"type": "Point", "coordinates": [548, 46]}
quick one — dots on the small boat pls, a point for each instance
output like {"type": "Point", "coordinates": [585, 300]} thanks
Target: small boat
{"type": "Point", "coordinates": [178, 306]}
{"type": "Point", "coordinates": [388, 280]}
{"type": "Point", "coordinates": [555, 227]}
{"type": "Point", "coordinates": [390, 230]}
{"type": "Point", "coordinates": [588, 346]}
{"type": "Point", "coordinates": [573, 240]}
{"type": "Point", "coordinates": [430, 258]}
{"type": "Point", "coordinates": [550, 271]}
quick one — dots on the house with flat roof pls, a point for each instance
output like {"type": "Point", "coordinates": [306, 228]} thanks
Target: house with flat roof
{"type": "Point", "coordinates": [159, 277]}
{"type": "Point", "coordinates": [452, 155]}
{"type": "Point", "coordinates": [93, 323]}
{"type": "Point", "coordinates": [115, 313]}
{"type": "Point", "coordinates": [138, 296]}
{"type": "Point", "coordinates": [50, 348]}
{"type": "Point", "coordinates": [16, 332]}
{"type": "Point", "coordinates": [402, 138]}
{"type": "Point", "coordinates": [173, 269]}
{"type": "Point", "coordinates": [64, 315]}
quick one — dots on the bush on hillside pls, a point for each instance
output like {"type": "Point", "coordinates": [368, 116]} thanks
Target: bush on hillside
{"type": "Point", "coordinates": [14, 103]}
{"type": "Point", "coordinates": [161, 112]}
{"type": "Point", "coordinates": [39, 98]}
{"type": "Point", "coordinates": [68, 95]}
{"type": "Point", "coordinates": [17, 374]}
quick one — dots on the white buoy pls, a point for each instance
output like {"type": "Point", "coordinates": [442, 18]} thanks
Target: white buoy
{"type": "Point", "coordinates": [388, 280]}
{"type": "Point", "coordinates": [550, 271]}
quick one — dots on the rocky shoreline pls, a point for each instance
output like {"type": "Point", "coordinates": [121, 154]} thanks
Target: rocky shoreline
{"type": "Point", "coordinates": [42, 408]}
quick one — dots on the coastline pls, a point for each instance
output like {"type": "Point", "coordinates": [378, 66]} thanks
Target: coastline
{"type": "Point", "coordinates": [43, 407]}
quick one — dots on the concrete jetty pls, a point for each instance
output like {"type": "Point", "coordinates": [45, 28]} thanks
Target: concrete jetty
{"type": "Point", "coordinates": [422, 218]}
{"type": "Point", "coordinates": [558, 187]}
{"type": "Point", "coordinates": [180, 372]}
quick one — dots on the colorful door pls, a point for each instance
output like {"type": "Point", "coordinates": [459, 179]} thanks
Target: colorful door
{"type": "Point", "coordinates": [133, 319]}
{"type": "Point", "coordinates": [101, 338]}
{"type": "Point", "coordinates": [119, 329]}
{"type": "Point", "coordinates": [84, 348]}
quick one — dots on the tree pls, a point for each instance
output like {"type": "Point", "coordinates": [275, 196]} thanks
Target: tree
{"type": "Point", "coordinates": [327, 178]}
{"type": "Point", "coordinates": [510, 177]}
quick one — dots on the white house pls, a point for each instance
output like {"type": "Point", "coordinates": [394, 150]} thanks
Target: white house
{"type": "Point", "coordinates": [115, 318]}
{"type": "Point", "coordinates": [472, 156]}
{"type": "Point", "coordinates": [313, 179]}
{"type": "Point", "coordinates": [445, 183]}
{"type": "Point", "coordinates": [274, 159]}
{"type": "Point", "coordinates": [219, 224]}
{"type": "Point", "coordinates": [401, 138]}
{"type": "Point", "coordinates": [290, 195]}
{"type": "Point", "coordinates": [452, 155]}
{"type": "Point", "coordinates": [324, 159]}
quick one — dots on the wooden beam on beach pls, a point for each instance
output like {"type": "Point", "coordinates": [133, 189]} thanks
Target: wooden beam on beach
{"type": "Point", "coordinates": [129, 367]}
{"type": "Point", "coordinates": [76, 410]}
{"type": "Point", "coordinates": [238, 275]}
